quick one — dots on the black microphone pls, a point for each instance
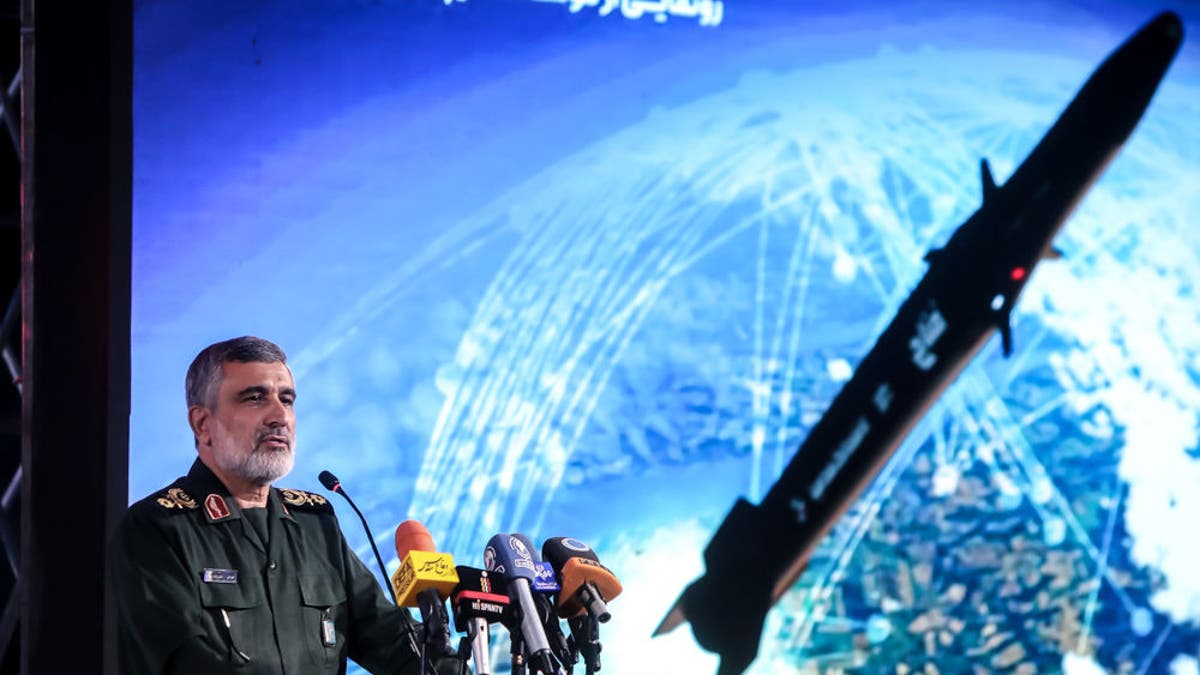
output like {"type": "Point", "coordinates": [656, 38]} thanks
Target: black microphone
{"type": "Point", "coordinates": [585, 639]}
{"type": "Point", "coordinates": [332, 484]}
{"type": "Point", "coordinates": [479, 600]}
{"type": "Point", "coordinates": [330, 481]}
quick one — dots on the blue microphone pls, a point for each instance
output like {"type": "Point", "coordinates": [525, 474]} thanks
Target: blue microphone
{"type": "Point", "coordinates": [512, 557]}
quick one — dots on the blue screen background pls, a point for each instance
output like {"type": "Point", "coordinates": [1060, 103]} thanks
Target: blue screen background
{"type": "Point", "coordinates": [547, 269]}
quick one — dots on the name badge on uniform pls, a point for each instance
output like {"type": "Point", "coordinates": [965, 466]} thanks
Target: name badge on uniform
{"type": "Point", "coordinates": [216, 575]}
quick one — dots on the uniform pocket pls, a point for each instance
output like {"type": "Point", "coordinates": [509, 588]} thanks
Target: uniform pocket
{"type": "Point", "coordinates": [324, 600]}
{"type": "Point", "coordinates": [229, 596]}
{"type": "Point", "coordinates": [238, 613]}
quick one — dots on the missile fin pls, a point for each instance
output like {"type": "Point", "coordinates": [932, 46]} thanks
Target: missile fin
{"type": "Point", "coordinates": [672, 620]}
{"type": "Point", "coordinates": [989, 183]}
{"type": "Point", "coordinates": [1004, 323]}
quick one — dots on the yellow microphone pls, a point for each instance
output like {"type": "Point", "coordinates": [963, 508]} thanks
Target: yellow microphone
{"type": "Point", "coordinates": [424, 580]}
{"type": "Point", "coordinates": [421, 566]}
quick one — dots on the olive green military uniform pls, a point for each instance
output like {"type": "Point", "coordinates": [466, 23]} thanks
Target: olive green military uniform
{"type": "Point", "coordinates": [198, 591]}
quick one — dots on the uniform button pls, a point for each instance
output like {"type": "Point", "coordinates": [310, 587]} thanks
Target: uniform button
{"type": "Point", "coordinates": [272, 565]}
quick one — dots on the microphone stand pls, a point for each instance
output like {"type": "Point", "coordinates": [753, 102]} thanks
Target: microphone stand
{"type": "Point", "coordinates": [561, 646]}
{"type": "Point", "coordinates": [476, 642]}
{"type": "Point", "coordinates": [464, 651]}
{"type": "Point", "coordinates": [370, 537]}
{"type": "Point", "coordinates": [435, 629]}
{"type": "Point", "coordinates": [585, 632]}
{"type": "Point", "coordinates": [517, 648]}
{"type": "Point", "coordinates": [330, 482]}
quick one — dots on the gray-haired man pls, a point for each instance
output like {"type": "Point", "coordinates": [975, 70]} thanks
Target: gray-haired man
{"type": "Point", "coordinates": [222, 572]}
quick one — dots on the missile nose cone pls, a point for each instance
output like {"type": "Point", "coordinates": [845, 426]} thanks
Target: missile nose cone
{"type": "Point", "coordinates": [1169, 25]}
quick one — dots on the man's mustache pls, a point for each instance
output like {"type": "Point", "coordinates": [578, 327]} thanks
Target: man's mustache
{"type": "Point", "coordinates": [276, 435]}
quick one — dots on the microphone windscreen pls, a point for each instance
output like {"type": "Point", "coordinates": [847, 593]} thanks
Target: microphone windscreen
{"type": "Point", "coordinates": [574, 574]}
{"type": "Point", "coordinates": [329, 480]}
{"type": "Point", "coordinates": [421, 566]}
{"type": "Point", "coordinates": [478, 595]}
{"type": "Point", "coordinates": [558, 550]}
{"type": "Point", "coordinates": [412, 535]}
{"type": "Point", "coordinates": [508, 555]}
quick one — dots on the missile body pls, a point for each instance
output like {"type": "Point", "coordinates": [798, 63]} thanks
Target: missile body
{"type": "Point", "coordinates": [969, 289]}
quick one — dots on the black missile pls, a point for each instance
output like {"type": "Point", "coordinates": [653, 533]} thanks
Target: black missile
{"type": "Point", "coordinates": [969, 290]}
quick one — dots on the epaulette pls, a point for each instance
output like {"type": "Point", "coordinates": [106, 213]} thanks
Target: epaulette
{"type": "Point", "coordinates": [305, 501]}
{"type": "Point", "coordinates": [176, 499]}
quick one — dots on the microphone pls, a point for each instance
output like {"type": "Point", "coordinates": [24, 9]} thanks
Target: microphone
{"type": "Point", "coordinates": [511, 555]}
{"type": "Point", "coordinates": [330, 481]}
{"type": "Point", "coordinates": [424, 578]}
{"type": "Point", "coordinates": [585, 640]}
{"type": "Point", "coordinates": [545, 584]}
{"type": "Point", "coordinates": [478, 600]}
{"type": "Point", "coordinates": [332, 484]}
{"type": "Point", "coordinates": [586, 584]}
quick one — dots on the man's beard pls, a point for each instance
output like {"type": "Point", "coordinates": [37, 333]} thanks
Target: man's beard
{"type": "Point", "coordinates": [258, 467]}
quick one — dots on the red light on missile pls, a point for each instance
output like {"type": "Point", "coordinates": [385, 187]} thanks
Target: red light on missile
{"type": "Point", "coordinates": [1017, 274]}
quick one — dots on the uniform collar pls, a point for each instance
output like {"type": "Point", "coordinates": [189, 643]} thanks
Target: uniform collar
{"type": "Point", "coordinates": [216, 502]}
{"type": "Point", "coordinates": [214, 498]}
{"type": "Point", "coordinates": [277, 505]}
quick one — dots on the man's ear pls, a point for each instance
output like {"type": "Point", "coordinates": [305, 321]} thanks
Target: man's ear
{"type": "Point", "coordinates": [199, 419]}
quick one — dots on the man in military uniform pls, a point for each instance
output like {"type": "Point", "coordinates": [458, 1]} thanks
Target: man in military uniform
{"type": "Point", "coordinates": [221, 572]}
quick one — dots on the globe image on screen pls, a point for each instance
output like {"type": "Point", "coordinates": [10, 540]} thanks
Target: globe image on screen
{"type": "Point", "coordinates": [619, 346]}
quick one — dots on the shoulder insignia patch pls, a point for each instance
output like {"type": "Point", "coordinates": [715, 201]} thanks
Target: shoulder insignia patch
{"type": "Point", "coordinates": [305, 500]}
{"type": "Point", "coordinates": [176, 498]}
